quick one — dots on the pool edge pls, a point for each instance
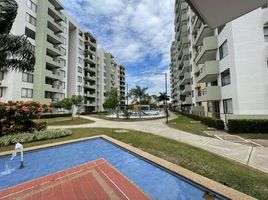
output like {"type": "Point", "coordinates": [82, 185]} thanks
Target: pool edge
{"type": "Point", "coordinates": [191, 176]}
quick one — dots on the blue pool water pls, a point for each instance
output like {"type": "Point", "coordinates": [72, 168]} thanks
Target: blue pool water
{"type": "Point", "coordinates": [156, 182]}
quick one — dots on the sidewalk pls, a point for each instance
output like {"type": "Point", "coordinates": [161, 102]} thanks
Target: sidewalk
{"type": "Point", "coordinates": [253, 156]}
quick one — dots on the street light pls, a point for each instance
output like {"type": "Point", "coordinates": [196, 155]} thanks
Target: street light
{"type": "Point", "coordinates": [166, 94]}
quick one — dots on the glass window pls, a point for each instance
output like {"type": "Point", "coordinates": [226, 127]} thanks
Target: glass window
{"type": "Point", "coordinates": [228, 106]}
{"type": "Point", "coordinates": [223, 50]}
{"type": "Point", "coordinates": [29, 33]}
{"type": "Point", "coordinates": [79, 69]}
{"type": "Point", "coordinates": [30, 19]}
{"type": "Point", "coordinates": [226, 77]}
{"type": "Point", "coordinates": [26, 93]}
{"type": "Point", "coordinates": [79, 79]}
{"type": "Point", "coordinates": [79, 88]}
{"type": "Point", "coordinates": [80, 42]}
{"type": "Point", "coordinates": [2, 75]}
{"type": "Point", "coordinates": [265, 31]}
{"type": "Point", "coordinates": [32, 5]}
{"type": "Point", "coordinates": [80, 51]}
{"type": "Point", "coordinates": [26, 77]}
{"type": "Point", "coordinates": [80, 61]}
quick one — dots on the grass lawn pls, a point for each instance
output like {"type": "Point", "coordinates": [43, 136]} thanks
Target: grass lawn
{"type": "Point", "coordinates": [64, 121]}
{"type": "Point", "coordinates": [184, 123]}
{"type": "Point", "coordinates": [103, 116]}
{"type": "Point", "coordinates": [237, 176]}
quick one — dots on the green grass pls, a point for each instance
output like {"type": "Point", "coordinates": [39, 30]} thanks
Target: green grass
{"type": "Point", "coordinates": [103, 116]}
{"type": "Point", "coordinates": [237, 176]}
{"type": "Point", "coordinates": [184, 123]}
{"type": "Point", "coordinates": [65, 121]}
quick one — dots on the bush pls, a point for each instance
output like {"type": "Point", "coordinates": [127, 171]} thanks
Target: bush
{"type": "Point", "coordinates": [49, 116]}
{"type": "Point", "coordinates": [26, 126]}
{"type": "Point", "coordinates": [31, 137]}
{"type": "Point", "coordinates": [209, 121]}
{"type": "Point", "coordinates": [247, 126]}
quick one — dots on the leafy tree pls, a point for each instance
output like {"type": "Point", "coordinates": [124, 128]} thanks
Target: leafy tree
{"type": "Point", "coordinates": [163, 96]}
{"type": "Point", "coordinates": [16, 52]}
{"type": "Point", "coordinates": [112, 100]}
{"type": "Point", "coordinates": [138, 94]}
{"type": "Point", "coordinates": [76, 101]}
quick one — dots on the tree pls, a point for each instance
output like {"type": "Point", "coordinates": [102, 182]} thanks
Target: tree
{"type": "Point", "coordinates": [112, 100]}
{"type": "Point", "coordinates": [16, 52]}
{"type": "Point", "coordinates": [138, 95]}
{"type": "Point", "coordinates": [76, 101]}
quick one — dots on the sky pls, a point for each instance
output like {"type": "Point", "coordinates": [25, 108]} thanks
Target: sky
{"type": "Point", "coordinates": [137, 32]}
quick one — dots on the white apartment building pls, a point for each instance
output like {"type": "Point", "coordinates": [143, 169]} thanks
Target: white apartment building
{"type": "Point", "coordinates": [110, 75]}
{"type": "Point", "coordinates": [223, 72]}
{"type": "Point", "coordinates": [66, 57]}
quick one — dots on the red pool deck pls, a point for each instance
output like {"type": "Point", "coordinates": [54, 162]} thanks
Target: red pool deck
{"type": "Point", "coordinates": [97, 180]}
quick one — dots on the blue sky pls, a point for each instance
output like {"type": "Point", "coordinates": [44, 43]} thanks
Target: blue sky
{"type": "Point", "coordinates": [137, 32]}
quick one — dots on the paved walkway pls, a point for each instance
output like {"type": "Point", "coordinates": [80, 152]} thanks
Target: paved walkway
{"type": "Point", "coordinates": [253, 156]}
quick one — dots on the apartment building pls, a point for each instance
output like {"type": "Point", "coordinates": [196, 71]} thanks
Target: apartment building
{"type": "Point", "coordinates": [222, 72]}
{"type": "Point", "coordinates": [66, 57]}
{"type": "Point", "coordinates": [110, 75]}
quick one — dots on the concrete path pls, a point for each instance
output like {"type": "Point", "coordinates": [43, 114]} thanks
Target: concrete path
{"type": "Point", "coordinates": [253, 156]}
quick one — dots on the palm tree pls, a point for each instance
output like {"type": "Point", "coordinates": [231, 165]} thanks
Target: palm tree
{"type": "Point", "coordinates": [16, 52]}
{"type": "Point", "coordinates": [163, 97]}
{"type": "Point", "coordinates": [138, 94]}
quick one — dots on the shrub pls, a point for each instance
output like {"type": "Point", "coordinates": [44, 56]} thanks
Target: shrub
{"type": "Point", "coordinates": [48, 116]}
{"type": "Point", "coordinates": [247, 126]}
{"type": "Point", "coordinates": [209, 121]}
{"type": "Point", "coordinates": [36, 136]}
{"type": "Point", "coordinates": [28, 126]}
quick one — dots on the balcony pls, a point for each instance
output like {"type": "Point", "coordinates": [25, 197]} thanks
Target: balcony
{"type": "Point", "coordinates": [54, 75]}
{"type": "Point", "coordinates": [90, 95]}
{"type": "Point", "coordinates": [54, 49]}
{"type": "Point", "coordinates": [186, 66]}
{"type": "Point", "coordinates": [3, 83]}
{"type": "Point", "coordinates": [55, 26]}
{"type": "Point", "coordinates": [90, 86]}
{"type": "Point", "coordinates": [54, 62]}
{"type": "Point", "coordinates": [90, 103]}
{"type": "Point", "coordinates": [90, 60]}
{"type": "Point", "coordinates": [54, 38]}
{"type": "Point", "coordinates": [208, 50]}
{"type": "Point", "coordinates": [211, 93]}
{"type": "Point", "coordinates": [91, 78]}
{"type": "Point", "coordinates": [186, 78]}
{"type": "Point", "coordinates": [209, 72]}
{"type": "Point", "coordinates": [54, 12]}
{"type": "Point", "coordinates": [202, 32]}
{"type": "Point", "coordinates": [53, 88]}
{"type": "Point", "coordinates": [90, 69]}
{"type": "Point", "coordinates": [57, 4]}
{"type": "Point", "coordinates": [187, 100]}
{"type": "Point", "coordinates": [187, 90]}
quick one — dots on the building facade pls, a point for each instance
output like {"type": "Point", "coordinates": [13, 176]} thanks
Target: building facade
{"type": "Point", "coordinates": [110, 75]}
{"type": "Point", "coordinates": [66, 57]}
{"type": "Point", "coordinates": [221, 72]}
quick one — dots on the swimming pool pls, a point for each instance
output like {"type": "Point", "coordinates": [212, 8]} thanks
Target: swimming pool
{"type": "Point", "coordinates": [156, 182]}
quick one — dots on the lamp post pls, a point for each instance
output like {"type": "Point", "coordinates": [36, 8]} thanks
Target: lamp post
{"type": "Point", "coordinates": [166, 109]}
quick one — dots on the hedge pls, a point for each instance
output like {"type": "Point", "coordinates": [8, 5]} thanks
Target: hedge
{"type": "Point", "coordinates": [209, 121]}
{"type": "Point", "coordinates": [31, 137]}
{"type": "Point", "coordinates": [247, 126]}
{"type": "Point", "coordinates": [47, 116]}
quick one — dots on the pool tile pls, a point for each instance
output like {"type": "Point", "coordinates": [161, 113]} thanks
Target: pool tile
{"type": "Point", "coordinates": [97, 180]}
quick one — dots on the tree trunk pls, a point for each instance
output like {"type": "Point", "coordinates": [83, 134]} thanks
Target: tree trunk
{"type": "Point", "coordinates": [72, 110]}
{"type": "Point", "coordinates": [140, 108]}
{"type": "Point", "coordinates": [117, 114]}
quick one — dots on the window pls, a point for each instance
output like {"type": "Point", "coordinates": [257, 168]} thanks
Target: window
{"type": "Point", "coordinates": [79, 79]}
{"type": "Point", "coordinates": [30, 19]}
{"type": "Point", "coordinates": [227, 106]}
{"type": "Point", "coordinates": [79, 88]}
{"type": "Point", "coordinates": [29, 33]}
{"type": "Point", "coordinates": [26, 93]}
{"type": "Point", "coordinates": [80, 42]}
{"type": "Point", "coordinates": [79, 69]}
{"type": "Point", "coordinates": [63, 61]}
{"type": "Point", "coordinates": [223, 50]}
{"type": "Point", "coordinates": [1, 92]}
{"type": "Point", "coordinates": [32, 5]}
{"type": "Point", "coordinates": [80, 61]}
{"type": "Point", "coordinates": [80, 51]}
{"type": "Point", "coordinates": [265, 31]}
{"type": "Point", "coordinates": [2, 75]}
{"type": "Point", "coordinates": [62, 84]}
{"type": "Point", "coordinates": [63, 73]}
{"type": "Point", "coordinates": [220, 28]}
{"type": "Point", "coordinates": [26, 77]}
{"type": "Point", "coordinates": [226, 77]}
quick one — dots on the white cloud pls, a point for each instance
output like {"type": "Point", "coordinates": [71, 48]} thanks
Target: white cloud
{"type": "Point", "coordinates": [134, 31]}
